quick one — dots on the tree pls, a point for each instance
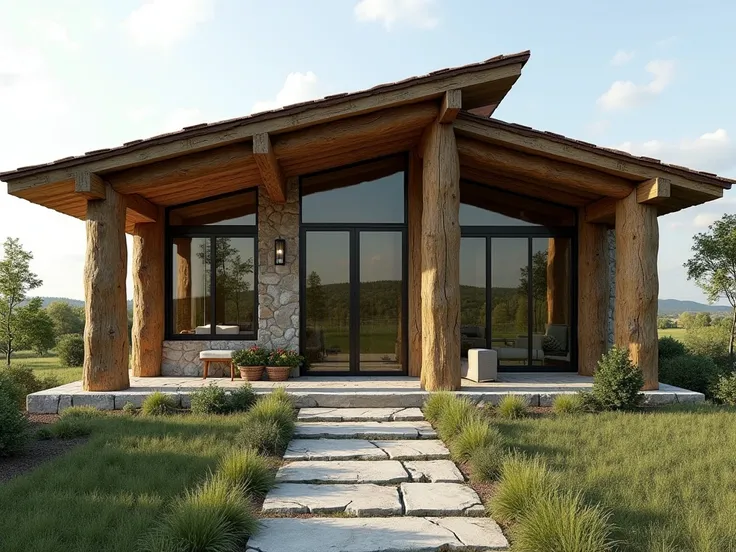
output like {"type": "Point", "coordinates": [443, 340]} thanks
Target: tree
{"type": "Point", "coordinates": [34, 328]}
{"type": "Point", "coordinates": [713, 265]}
{"type": "Point", "coordinates": [66, 319]}
{"type": "Point", "coordinates": [16, 280]}
{"type": "Point", "coordinates": [686, 320]}
{"type": "Point", "coordinates": [703, 320]}
{"type": "Point", "coordinates": [316, 300]}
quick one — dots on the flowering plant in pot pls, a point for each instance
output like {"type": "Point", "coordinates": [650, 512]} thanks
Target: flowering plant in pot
{"type": "Point", "coordinates": [251, 362]}
{"type": "Point", "coordinates": [280, 362]}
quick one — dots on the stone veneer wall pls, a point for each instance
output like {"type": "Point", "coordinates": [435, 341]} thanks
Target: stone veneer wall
{"type": "Point", "coordinates": [278, 291]}
{"type": "Point", "coordinates": [611, 283]}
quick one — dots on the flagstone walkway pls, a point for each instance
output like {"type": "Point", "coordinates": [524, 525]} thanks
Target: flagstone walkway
{"type": "Point", "coordinates": [385, 478]}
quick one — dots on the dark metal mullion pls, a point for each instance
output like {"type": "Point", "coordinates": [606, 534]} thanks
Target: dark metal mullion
{"type": "Point", "coordinates": [213, 275]}
{"type": "Point", "coordinates": [530, 302]}
{"type": "Point", "coordinates": [489, 293]}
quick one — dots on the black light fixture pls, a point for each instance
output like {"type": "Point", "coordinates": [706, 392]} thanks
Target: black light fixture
{"type": "Point", "coordinates": [280, 251]}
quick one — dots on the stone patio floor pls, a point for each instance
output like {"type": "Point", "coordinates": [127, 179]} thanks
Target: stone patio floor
{"type": "Point", "coordinates": [539, 388]}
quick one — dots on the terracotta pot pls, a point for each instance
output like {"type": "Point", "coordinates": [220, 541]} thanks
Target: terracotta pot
{"type": "Point", "coordinates": [251, 373]}
{"type": "Point", "coordinates": [278, 373]}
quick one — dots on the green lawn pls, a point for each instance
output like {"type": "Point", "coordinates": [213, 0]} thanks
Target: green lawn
{"type": "Point", "coordinates": [107, 493]}
{"type": "Point", "coordinates": [667, 475]}
{"type": "Point", "coordinates": [677, 333]}
{"type": "Point", "coordinates": [47, 366]}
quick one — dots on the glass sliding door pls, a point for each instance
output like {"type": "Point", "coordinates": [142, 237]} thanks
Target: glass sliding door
{"type": "Point", "coordinates": [473, 294]}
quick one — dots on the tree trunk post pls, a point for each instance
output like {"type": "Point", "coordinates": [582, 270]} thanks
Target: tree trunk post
{"type": "Point", "coordinates": [637, 285]}
{"type": "Point", "coordinates": [592, 295]}
{"type": "Point", "coordinates": [558, 281]}
{"type": "Point", "coordinates": [105, 305]}
{"type": "Point", "coordinates": [415, 264]}
{"type": "Point", "coordinates": [440, 260]}
{"type": "Point", "coordinates": [148, 292]}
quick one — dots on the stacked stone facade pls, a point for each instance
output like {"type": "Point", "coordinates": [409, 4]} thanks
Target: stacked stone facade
{"type": "Point", "coordinates": [278, 291]}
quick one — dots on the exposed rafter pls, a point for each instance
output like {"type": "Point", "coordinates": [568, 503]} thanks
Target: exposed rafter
{"type": "Point", "coordinates": [141, 209]}
{"type": "Point", "coordinates": [90, 185]}
{"type": "Point", "coordinates": [654, 191]}
{"type": "Point", "coordinates": [452, 102]}
{"type": "Point", "coordinates": [268, 165]}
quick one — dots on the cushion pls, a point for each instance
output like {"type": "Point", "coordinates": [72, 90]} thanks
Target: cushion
{"type": "Point", "coordinates": [216, 354]}
{"type": "Point", "coordinates": [550, 345]}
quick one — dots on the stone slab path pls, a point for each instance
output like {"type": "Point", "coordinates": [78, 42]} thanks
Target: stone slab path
{"type": "Point", "coordinates": [386, 476]}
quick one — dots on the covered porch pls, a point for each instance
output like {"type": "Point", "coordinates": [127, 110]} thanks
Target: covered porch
{"type": "Point", "coordinates": [241, 188]}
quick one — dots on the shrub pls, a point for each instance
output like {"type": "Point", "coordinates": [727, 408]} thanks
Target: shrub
{"type": "Point", "coordinates": [267, 436]}
{"type": "Point", "coordinates": [158, 404]}
{"type": "Point", "coordinates": [512, 407]}
{"type": "Point", "coordinates": [280, 394]}
{"type": "Point", "coordinates": [669, 347]}
{"type": "Point", "coordinates": [568, 404]}
{"type": "Point", "coordinates": [435, 405]}
{"type": "Point", "coordinates": [247, 470]}
{"type": "Point", "coordinates": [564, 522]}
{"type": "Point", "coordinates": [130, 409]}
{"type": "Point", "coordinates": [273, 407]}
{"type": "Point", "coordinates": [44, 434]}
{"type": "Point", "coordinates": [524, 481]}
{"type": "Point", "coordinates": [457, 413]}
{"type": "Point", "coordinates": [210, 400]}
{"type": "Point", "coordinates": [617, 382]}
{"type": "Point", "coordinates": [19, 380]}
{"type": "Point", "coordinates": [725, 389]}
{"type": "Point", "coordinates": [241, 399]}
{"type": "Point", "coordinates": [71, 427]}
{"type": "Point", "coordinates": [81, 412]}
{"type": "Point", "coordinates": [709, 341]}
{"type": "Point", "coordinates": [693, 372]}
{"type": "Point", "coordinates": [485, 463]}
{"type": "Point", "coordinates": [13, 426]}
{"type": "Point", "coordinates": [70, 349]}
{"type": "Point", "coordinates": [474, 435]}
{"type": "Point", "coordinates": [253, 356]}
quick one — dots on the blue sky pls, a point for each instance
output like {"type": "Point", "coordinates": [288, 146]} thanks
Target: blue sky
{"type": "Point", "coordinates": [653, 77]}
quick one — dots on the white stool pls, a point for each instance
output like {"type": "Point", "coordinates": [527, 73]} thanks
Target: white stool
{"type": "Point", "coordinates": [224, 356]}
{"type": "Point", "coordinates": [482, 365]}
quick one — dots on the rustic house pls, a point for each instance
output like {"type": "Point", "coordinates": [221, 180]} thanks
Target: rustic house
{"type": "Point", "coordinates": [386, 231]}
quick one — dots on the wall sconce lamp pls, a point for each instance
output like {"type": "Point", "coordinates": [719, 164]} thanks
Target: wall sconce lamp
{"type": "Point", "coordinates": [280, 251]}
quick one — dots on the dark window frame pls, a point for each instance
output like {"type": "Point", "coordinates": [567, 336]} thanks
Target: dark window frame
{"type": "Point", "coordinates": [211, 232]}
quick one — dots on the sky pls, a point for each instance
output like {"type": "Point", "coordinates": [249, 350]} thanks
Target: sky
{"type": "Point", "coordinates": [651, 77]}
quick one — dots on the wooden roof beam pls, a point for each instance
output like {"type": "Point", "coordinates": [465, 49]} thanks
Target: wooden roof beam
{"type": "Point", "coordinates": [452, 102]}
{"type": "Point", "coordinates": [654, 191]}
{"type": "Point", "coordinates": [268, 165]}
{"type": "Point", "coordinates": [142, 209]}
{"type": "Point", "coordinates": [90, 185]}
{"type": "Point", "coordinates": [602, 211]}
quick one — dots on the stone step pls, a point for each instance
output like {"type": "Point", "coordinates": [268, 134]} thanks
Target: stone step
{"type": "Point", "coordinates": [406, 534]}
{"type": "Point", "coordinates": [382, 472]}
{"type": "Point", "coordinates": [363, 500]}
{"type": "Point", "coordinates": [361, 449]}
{"type": "Point", "coordinates": [364, 430]}
{"type": "Point", "coordinates": [360, 415]}
{"type": "Point", "coordinates": [441, 499]}
{"type": "Point", "coordinates": [433, 471]}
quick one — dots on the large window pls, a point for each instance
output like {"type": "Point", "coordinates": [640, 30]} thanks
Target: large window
{"type": "Point", "coordinates": [213, 261]}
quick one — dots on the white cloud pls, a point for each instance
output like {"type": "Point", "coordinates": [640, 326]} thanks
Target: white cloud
{"type": "Point", "coordinates": [53, 31]}
{"type": "Point", "coordinates": [163, 23]}
{"type": "Point", "coordinates": [712, 151]}
{"type": "Point", "coordinates": [704, 220]}
{"type": "Point", "coordinates": [414, 13]}
{"type": "Point", "coordinates": [622, 57]}
{"type": "Point", "coordinates": [666, 42]}
{"type": "Point", "coordinates": [298, 87]}
{"type": "Point", "coordinates": [626, 94]}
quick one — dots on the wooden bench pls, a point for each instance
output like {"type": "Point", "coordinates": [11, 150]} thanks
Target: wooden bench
{"type": "Point", "coordinates": [217, 355]}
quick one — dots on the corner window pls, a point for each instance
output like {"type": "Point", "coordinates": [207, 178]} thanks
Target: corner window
{"type": "Point", "coordinates": [213, 260]}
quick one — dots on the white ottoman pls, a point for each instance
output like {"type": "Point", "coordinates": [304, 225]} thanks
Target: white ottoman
{"type": "Point", "coordinates": [215, 355]}
{"type": "Point", "coordinates": [482, 365]}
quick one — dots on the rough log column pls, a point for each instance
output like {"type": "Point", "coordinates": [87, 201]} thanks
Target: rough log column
{"type": "Point", "coordinates": [637, 285]}
{"type": "Point", "coordinates": [148, 292]}
{"type": "Point", "coordinates": [415, 264]}
{"type": "Point", "coordinates": [558, 282]}
{"type": "Point", "coordinates": [106, 312]}
{"type": "Point", "coordinates": [592, 294]}
{"type": "Point", "coordinates": [440, 260]}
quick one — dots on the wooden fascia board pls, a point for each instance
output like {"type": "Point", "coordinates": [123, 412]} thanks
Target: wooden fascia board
{"type": "Point", "coordinates": [145, 210]}
{"type": "Point", "coordinates": [452, 102]}
{"type": "Point", "coordinates": [239, 131]}
{"type": "Point", "coordinates": [538, 145]}
{"type": "Point", "coordinates": [268, 165]}
{"type": "Point", "coordinates": [88, 184]}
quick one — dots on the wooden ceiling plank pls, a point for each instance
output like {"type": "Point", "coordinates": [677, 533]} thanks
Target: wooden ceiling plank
{"type": "Point", "coordinates": [268, 165]}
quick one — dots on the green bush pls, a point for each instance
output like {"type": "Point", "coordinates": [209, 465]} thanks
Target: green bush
{"type": "Point", "coordinates": [669, 347]}
{"type": "Point", "coordinates": [435, 405]}
{"type": "Point", "coordinates": [247, 470]}
{"type": "Point", "coordinates": [158, 404]}
{"type": "Point", "coordinates": [617, 382]}
{"type": "Point", "coordinates": [273, 407]}
{"type": "Point", "coordinates": [457, 413]}
{"type": "Point", "coordinates": [210, 400]}
{"type": "Point", "coordinates": [693, 372]}
{"type": "Point", "coordinates": [19, 380]}
{"type": "Point", "coordinates": [476, 434]}
{"type": "Point", "coordinates": [279, 394]}
{"type": "Point", "coordinates": [725, 389]}
{"type": "Point", "coordinates": [708, 341]}
{"type": "Point", "coordinates": [81, 412]}
{"type": "Point", "coordinates": [130, 409]}
{"type": "Point", "coordinates": [267, 436]}
{"type": "Point", "coordinates": [512, 407]}
{"type": "Point", "coordinates": [564, 522]}
{"type": "Point", "coordinates": [485, 463]}
{"type": "Point", "coordinates": [44, 433]}
{"type": "Point", "coordinates": [71, 427]}
{"type": "Point", "coordinates": [70, 349]}
{"type": "Point", "coordinates": [524, 481]}
{"type": "Point", "coordinates": [13, 426]}
{"type": "Point", "coordinates": [242, 398]}
{"type": "Point", "coordinates": [567, 404]}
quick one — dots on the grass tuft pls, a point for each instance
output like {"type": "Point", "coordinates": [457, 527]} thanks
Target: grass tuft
{"type": "Point", "coordinates": [564, 522]}
{"type": "Point", "coordinates": [71, 427]}
{"type": "Point", "coordinates": [486, 462]}
{"type": "Point", "coordinates": [435, 405]}
{"type": "Point", "coordinates": [81, 412]}
{"type": "Point", "coordinates": [247, 470]}
{"type": "Point", "coordinates": [456, 414]}
{"type": "Point", "coordinates": [568, 404]}
{"type": "Point", "coordinates": [158, 404]}
{"type": "Point", "coordinates": [476, 434]}
{"type": "Point", "coordinates": [524, 481]}
{"type": "Point", "coordinates": [512, 407]}
{"type": "Point", "coordinates": [265, 436]}
{"type": "Point", "coordinates": [273, 407]}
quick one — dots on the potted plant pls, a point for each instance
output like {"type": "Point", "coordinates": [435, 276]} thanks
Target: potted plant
{"type": "Point", "coordinates": [251, 362]}
{"type": "Point", "coordinates": [280, 362]}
